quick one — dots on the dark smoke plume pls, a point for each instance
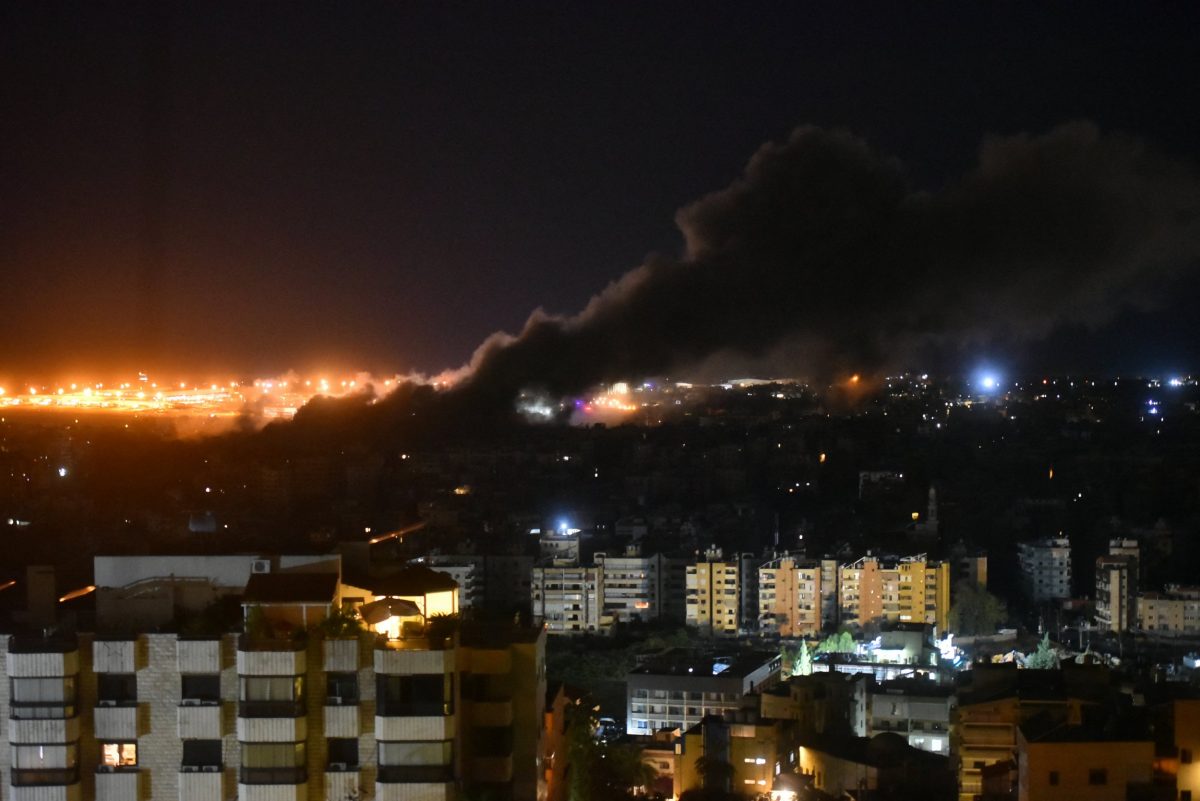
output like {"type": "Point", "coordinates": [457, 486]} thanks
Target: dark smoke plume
{"type": "Point", "coordinates": [821, 249]}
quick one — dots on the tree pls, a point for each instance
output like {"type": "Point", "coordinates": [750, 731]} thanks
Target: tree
{"type": "Point", "coordinates": [976, 611]}
{"type": "Point", "coordinates": [1045, 657]}
{"type": "Point", "coordinates": [842, 643]}
{"type": "Point", "coordinates": [803, 664]}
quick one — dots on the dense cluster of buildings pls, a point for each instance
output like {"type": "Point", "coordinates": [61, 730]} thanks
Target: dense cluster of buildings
{"type": "Point", "coordinates": [1120, 604]}
{"type": "Point", "coordinates": [727, 596]}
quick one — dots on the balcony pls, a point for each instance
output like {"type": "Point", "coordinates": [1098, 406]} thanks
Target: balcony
{"type": "Point", "coordinates": [115, 721]}
{"type": "Point", "coordinates": [42, 656]}
{"type": "Point", "coordinates": [199, 656]}
{"type": "Point", "coordinates": [341, 720]}
{"type": "Point", "coordinates": [200, 721]}
{"type": "Point", "coordinates": [272, 729]}
{"type": "Point", "coordinates": [118, 785]}
{"type": "Point", "coordinates": [340, 655]}
{"type": "Point", "coordinates": [414, 791]}
{"type": "Point", "coordinates": [266, 657]}
{"type": "Point", "coordinates": [342, 783]}
{"type": "Point", "coordinates": [35, 730]}
{"type": "Point", "coordinates": [403, 658]}
{"type": "Point", "coordinates": [198, 783]}
{"type": "Point", "coordinates": [115, 656]}
{"type": "Point", "coordinates": [414, 727]}
{"type": "Point", "coordinates": [46, 785]}
{"type": "Point", "coordinates": [273, 791]}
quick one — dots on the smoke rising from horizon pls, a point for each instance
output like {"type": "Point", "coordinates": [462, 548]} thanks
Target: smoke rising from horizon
{"type": "Point", "coordinates": [821, 255]}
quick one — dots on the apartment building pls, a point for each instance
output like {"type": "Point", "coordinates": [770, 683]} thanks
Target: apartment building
{"type": "Point", "coordinates": [570, 599]}
{"type": "Point", "coordinates": [797, 597]}
{"type": "Point", "coordinates": [678, 688]}
{"type": "Point", "coordinates": [302, 705]}
{"type": "Point", "coordinates": [875, 590]}
{"type": "Point", "coordinates": [1046, 569]}
{"type": "Point", "coordinates": [917, 710]}
{"type": "Point", "coordinates": [714, 595]}
{"type": "Point", "coordinates": [633, 585]}
{"type": "Point", "coordinates": [1174, 611]}
{"type": "Point", "coordinates": [1116, 592]}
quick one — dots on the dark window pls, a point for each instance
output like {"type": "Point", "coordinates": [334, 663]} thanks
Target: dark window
{"type": "Point", "coordinates": [1054, 778]}
{"type": "Point", "coordinates": [341, 689]}
{"type": "Point", "coordinates": [273, 763]}
{"type": "Point", "coordinates": [343, 753]}
{"type": "Point", "coordinates": [204, 688]}
{"type": "Point", "coordinates": [1185, 795]}
{"type": "Point", "coordinates": [419, 695]}
{"type": "Point", "coordinates": [979, 764]}
{"type": "Point", "coordinates": [1098, 776]}
{"type": "Point", "coordinates": [201, 753]}
{"type": "Point", "coordinates": [116, 689]}
{"type": "Point", "coordinates": [1185, 756]}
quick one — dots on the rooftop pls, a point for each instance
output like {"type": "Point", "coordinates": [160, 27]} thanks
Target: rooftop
{"type": "Point", "coordinates": [687, 662]}
{"type": "Point", "coordinates": [293, 588]}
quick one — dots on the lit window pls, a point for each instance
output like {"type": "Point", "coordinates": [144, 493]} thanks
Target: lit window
{"type": "Point", "coordinates": [119, 755]}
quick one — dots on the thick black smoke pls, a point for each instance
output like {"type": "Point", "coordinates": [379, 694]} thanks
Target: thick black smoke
{"type": "Point", "coordinates": [822, 249]}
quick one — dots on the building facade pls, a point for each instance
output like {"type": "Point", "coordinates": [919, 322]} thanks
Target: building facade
{"type": "Point", "coordinates": [570, 599]}
{"type": "Point", "coordinates": [714, 595]}
{"type": "Point", "coordinates": [873, 591]}
{"type": "Point", "coordinates": [797, 597]}
{"type": "Point", "coordinates": [1046, 569]}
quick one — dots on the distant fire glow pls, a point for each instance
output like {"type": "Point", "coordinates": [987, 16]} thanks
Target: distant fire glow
{"type": "Point", "coordinates": [267, 398]}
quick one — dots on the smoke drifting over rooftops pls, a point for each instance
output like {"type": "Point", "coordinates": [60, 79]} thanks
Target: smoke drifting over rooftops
{"type": "Point", "coordinates": [822, 251]}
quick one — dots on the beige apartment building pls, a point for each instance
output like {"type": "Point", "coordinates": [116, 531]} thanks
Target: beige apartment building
{"type": "Point", "coordinates": [905, 590]}
{"type": "Point", "coordinates": [714, 588]}
{"type": "Point", "coordinates": [797, 597]}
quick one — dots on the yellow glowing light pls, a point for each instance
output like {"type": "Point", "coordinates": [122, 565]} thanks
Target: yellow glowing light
{"type": "Point", "coordinates": [915, 516]}
{"type": "Point", "coordinates": [1051, 472]}
{"type": "Point", "coordinates": [854, 378]}
{"type": "Point", "coordinates": [821, 458]}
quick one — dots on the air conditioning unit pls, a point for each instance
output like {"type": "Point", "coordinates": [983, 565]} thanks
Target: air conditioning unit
{"type": "Point", "coordinates": [338, 765]}
{"type": "Point", "coordinates": [212, 768]}
{"type": "Point", "coordinates": [189, 768]}
{"type": "Point", "coordinates": [191, 702]}
{"type": "Point", "coordinates": [333, 700]}
{"type": "Point", "coordinates": [106, 702]}
{"type": "Point", "coordinates": [106, 769]}
{"type": "Point", "coordinates": [261, 566]}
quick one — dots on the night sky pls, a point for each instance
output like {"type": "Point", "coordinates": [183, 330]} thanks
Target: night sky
{"type": "Point", "coordinates": [251, 188]}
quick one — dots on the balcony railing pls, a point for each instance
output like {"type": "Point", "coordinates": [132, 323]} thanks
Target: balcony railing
{"type": "Point", "coordinates": [297, 775]}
